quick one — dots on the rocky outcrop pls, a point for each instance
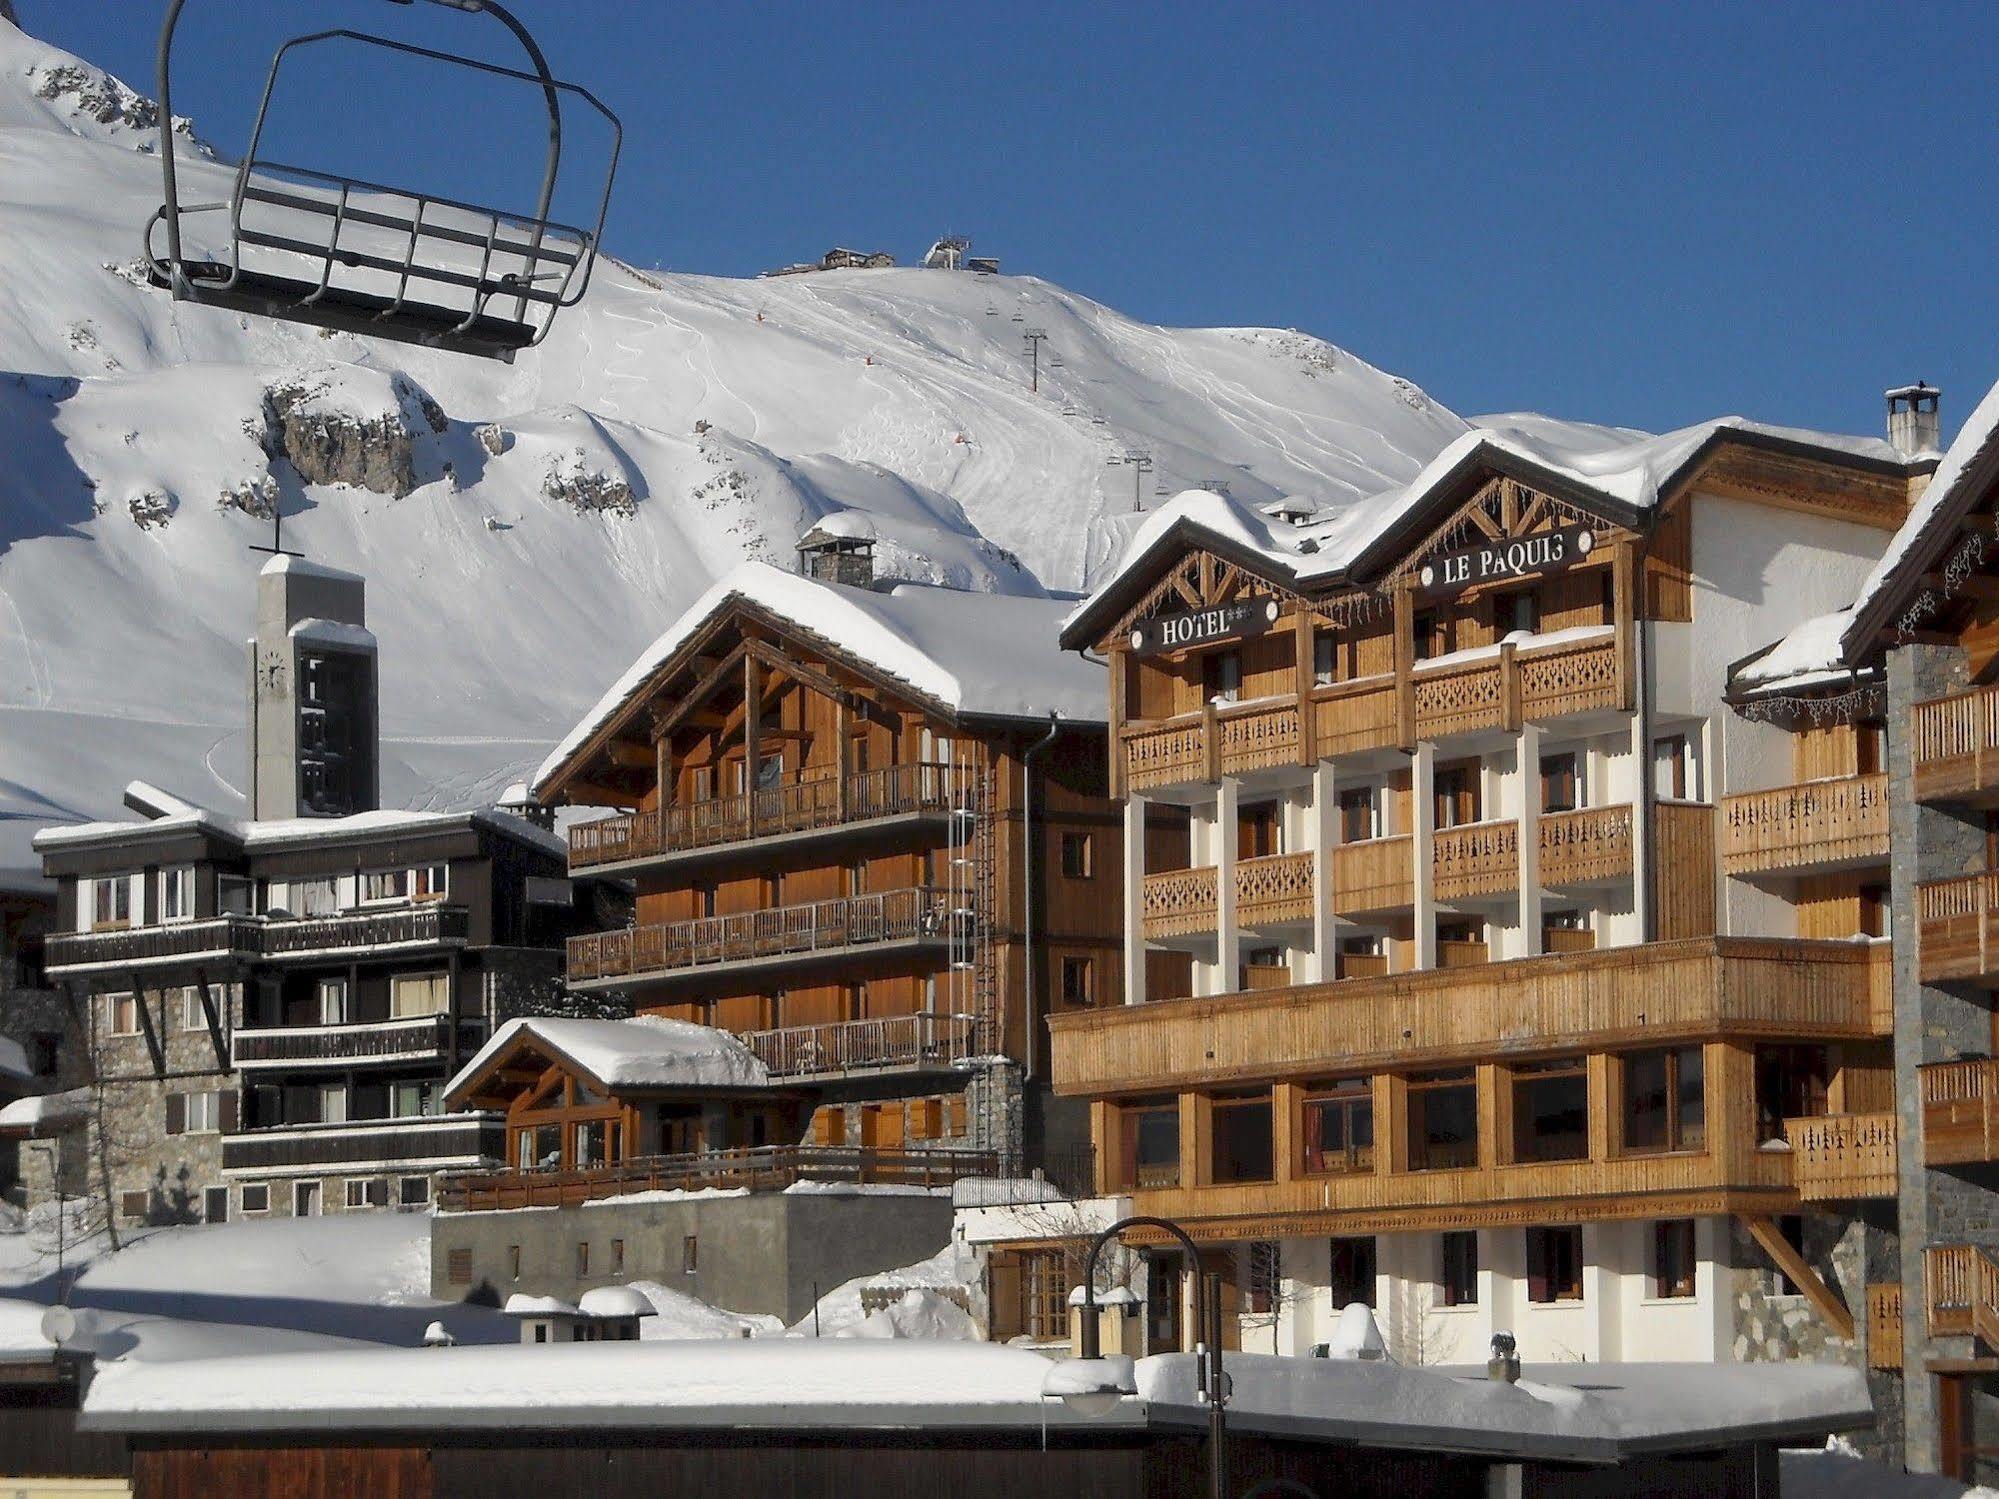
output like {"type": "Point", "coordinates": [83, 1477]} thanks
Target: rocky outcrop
{"type": "Point", "coordinates": [153, 508]}
{"type": "Point", "coordinates": [97, 95]}
{"type": "Point", "coordinates": [254, 497]}
{"type": "Point", "coordinates": [317, 426]}
{"type": "Point", "coordinates": [570, 479]}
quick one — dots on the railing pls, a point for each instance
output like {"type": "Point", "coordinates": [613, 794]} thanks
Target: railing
{"type": "Point", "coordinates": [922, 1039]}
{"type": "Point", "coordinates": [1266, 975]}
{"type": "Point", "coordinates": [1480, 858]}
{"type": "Point", "coordinates": [1843, 1157]}
{"type": "Point", "coordinates": [1377, 875]}
{"type": "Point", "coordinates": [1257, 738]}
{"type": "Point", "coordinates": [779, 931]}
{"type": "Point", "coordinates": [1274, 889]}
{"type": "Point", "coordinates": [412, 926]}
{"type": "Point", "coordinates": [1067, 1173]}
{"type": "Point", "coordinates": [226, 937]}
{"type": "Point", "coordinates": [179, 941]}
{"type": "Point", "coordinates": [420, 1038]}
{"type": "Point", "coordinates": [1955, 742]}
{"type": "Point", "coordinates": [1960, 1112]}
{"type": "Point", "coordinates": [804, 806]}
{"type": "Point", "coordinates": [1459, 698]}
{"type": "Point", "coordinates": [1355, 716]}
{"type": "Point", "coordinates": [1575, 677]}
{"type": "Point", "coordinates": [1884, 1325]}
{"type": "Point", "coordinates": [766, 1168]}
{"type": "Point", "coordinates": [1961, 1287]}
{"type": "Point", "coordinates": [1954, 923]}
{"type": "Point", "coordinates": [1585, 846]}
{"type": "Point", "coordinates": [427, 1141]}
{"type": "Point", "coordinates": [1179, 902]}
{"type": "Point", "coordinates": [1166, 754]}
{"type": "Point", "coordinates": [1806, 826]}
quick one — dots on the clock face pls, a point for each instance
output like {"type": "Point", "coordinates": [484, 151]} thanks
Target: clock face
{"type": "Point", "coordinates": [271, 672]}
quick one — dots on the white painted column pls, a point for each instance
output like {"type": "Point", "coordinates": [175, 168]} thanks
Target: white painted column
{"type": "Point", "coordinates": [1600, 1290]}
{"type": "Point", "coordinates": [1134, 899]}
{"type": "Point", "coordinates": [1324, 819]}
{"type": "Point", "coordinates": [1529, 752]}
{"type": "Point", "coordinates": [1423, 810]}
{"type": "Point", "coordinates": [1714, 1286]}
{"type": "Point", "coordinates": [1228, 940]}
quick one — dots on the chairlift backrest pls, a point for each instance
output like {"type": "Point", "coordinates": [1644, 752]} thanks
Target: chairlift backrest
{"type": "Point", "coordinates": [366, 257]}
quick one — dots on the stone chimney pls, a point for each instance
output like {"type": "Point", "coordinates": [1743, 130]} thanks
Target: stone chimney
{"type": "Point", "coordinates": [314, 720]}
{"type": "Point", "coordinates": [1912, 420]}
{"type": "Point", "coordinates": [833, 553]}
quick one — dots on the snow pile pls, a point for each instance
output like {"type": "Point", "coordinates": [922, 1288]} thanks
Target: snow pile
{"type": "Point", "coordinates": [679, 1317]}
{"type": "Point", "coordinates": [917, 1313]}
{"type": "Point", "coordinates": [646, 1052]}
{"type": "Point", "coordinates": [1356, 1336]}
{"type": "Point", "coordinates": [840, 1309]}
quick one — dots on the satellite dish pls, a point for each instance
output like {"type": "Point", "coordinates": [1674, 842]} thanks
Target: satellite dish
{"type": "Point", "coordinates": [58, 1325]}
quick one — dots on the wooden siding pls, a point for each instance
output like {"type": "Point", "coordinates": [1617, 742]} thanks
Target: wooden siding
{"type": "Point", "coordinates": [1690, 988]}
{"type": "Point", "coordinates": [1955, 742]}
{"type": "Point", "coordinates": [1818, 825]}
{"type": "Point", "coordinates": [1378, 875]}
{"type": "Point", "coordinates": [1683, 833]}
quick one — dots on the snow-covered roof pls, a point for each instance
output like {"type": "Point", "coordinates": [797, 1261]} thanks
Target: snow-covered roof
{"type": "Point", "coordinates": [982, 654]}
{"type": "Point", "coordinates": [44, 1111]}
{"type": "Point", "coordinates": [643, 1053]}
{"type": "Point", "coordinates": [521, 1304]}
{"type": "Point", "coordinates": [615, 1301]}
{"type": "Point", "coordinates": [1617, 468]}
{"type": "Point", "coordinates": [1807, 658]}
{"type": "Point", "coordinates": [299, 567]}
{"type": "Point", "coordinates": [332, 632]}
{"type": "Point", "coordinates": [281, 832]}
{"type": "Point", "coordinates": [1578, 1412]}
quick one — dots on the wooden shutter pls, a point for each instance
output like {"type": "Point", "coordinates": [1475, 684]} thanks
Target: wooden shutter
{"type": "Point", "coordinates": [458, 1267]}
{"type": "Point", "coordinates": [1003, 1296]}
{"type": "Point", "coordinates": [1537, 1265]}
{"type": "Point", "coordinates": [176, 1113]}
{"type": "Point", "coordinates": [231, 1110]}
{"type": "Point", "coordinates": [926, 1118]}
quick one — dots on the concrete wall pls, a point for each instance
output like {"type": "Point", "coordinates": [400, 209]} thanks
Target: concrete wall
{"type": "Point", "coordinates": [758, 1252]}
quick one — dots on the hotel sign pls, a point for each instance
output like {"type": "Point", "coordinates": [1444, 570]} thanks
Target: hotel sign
{"type": "Point", "coordinates": [1177, 632]}
{"type": "Point", "coordinates": [1506, 557]}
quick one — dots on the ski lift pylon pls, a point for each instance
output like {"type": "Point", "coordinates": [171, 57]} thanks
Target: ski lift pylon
{"type": "Point", "coordinates": [363, 257]}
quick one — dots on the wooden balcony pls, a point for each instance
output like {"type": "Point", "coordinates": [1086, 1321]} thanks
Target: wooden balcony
{"type": "Point", "coordinates": [768, 1169]}
{"type": "Point", "coordinates": [1589, 846]}
{"type": "Point", "coordinates": [436, 1142]}
{"type": "Point", "coordinates": [1179, 902]}
{"type": "Point", "coordinates": [1378, 875]}
{"type": "Point", "coordinates": [1269, 892]}
{"type": "Point", "coordinates": [1843, 1157]}
{"type": "Point", "coordinates": [1480, 858]}
{"type": "Point", "coordinates": [1957, 926]}
{"type": "Point", "coordinates": [1960, 1112]}
{"type": "Point", "coordinates": [1884, 1325]}
{"type": "Point", "coordinates": [1961, 1289]}
{"type": "Point", "coordinates": [884, 1044]}
{"type": "Point", "coordinates": [780, 936]}
{"type": "Point", "coordinates": [871, 796]}
{"type": "Point", "coordinates": [220, 940]}
{"type": "Point", "coordinates": [1498, 689]}
{"type": "Point", "coordinates": [351, 932]}
{"type": "Point", "coordinates": [293, 1048]}
{"type": "Point", "coordinates": [1820, 825]}
{"type": "Point", "coordinates": [1955, 742]}
{"type": "Point", "coordinates": [1693, 989]}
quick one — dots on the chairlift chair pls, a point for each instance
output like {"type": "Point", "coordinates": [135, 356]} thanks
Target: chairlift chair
{"type": "Point", "coordinates": [338, 252]}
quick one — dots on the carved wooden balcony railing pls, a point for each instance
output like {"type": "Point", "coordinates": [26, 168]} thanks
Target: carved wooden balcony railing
{"type": "Point", "coordinates": [1957, 925]}
{"type": "Point", "coordinates": [1955, 742]}
{"type": "Point", "coordinates": [1961, 1287]}
{"type": "Point", "coordinates": [880, 1044]}
{"type": "Point", "coordinates": [767, 1168]}
{"type": "Point", "coordinates": [1884, 1325]}
{"type": "Point", "coordinates": [1166, 754]}
{"type": "Point", "coordinates": [1843, 1157]}
{"type": "Point", "coordinates": [420, 1038]}
{"type": "Point", "coordinates": [1816, 825]}
{"type": "Point", "coordinates": [1462, 697]}
{"type": "Point", "coordinates": [427, 1143]}
{"type": "Point", "coordinates": [1378, 875]}
{"type": "Point", "coordinates": [1480, 858]}
{"type": "Point", "coordinates": [1579, 676]}
{"type": "Point", "coordinates": [1583, 847]}
{"type": "Point", "coordinates": [891, 791]}
{"type": "Point", "coordinates": [816, 927]}
{"type": "Point", "coordinates": [1960, 1112]}
{"type": "Point", "coordinates": [1274, 890]}
{"type": "Point", "coordinates": [1257, 737]}
{"type": "Point", "coordinates": [1179, 902]}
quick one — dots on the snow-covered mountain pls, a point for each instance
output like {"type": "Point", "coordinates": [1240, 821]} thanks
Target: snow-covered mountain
{"type": "Point", "coordinates": [526, 529]}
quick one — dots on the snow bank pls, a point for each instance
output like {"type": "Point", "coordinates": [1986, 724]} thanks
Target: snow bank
{"type": "Point", "coordinates": [916, 1314]}
{"type": "Point", "coordinates": [679, 1317]}
{"type": "Point", "coordinates": [840, 1309]}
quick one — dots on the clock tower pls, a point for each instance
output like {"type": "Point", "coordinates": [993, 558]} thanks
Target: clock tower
{"type": "Point", "coordinates": [313, 694]}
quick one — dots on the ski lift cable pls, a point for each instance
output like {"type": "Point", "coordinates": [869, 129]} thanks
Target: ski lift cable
{"type": "Point", "coordinates": [266, 293]}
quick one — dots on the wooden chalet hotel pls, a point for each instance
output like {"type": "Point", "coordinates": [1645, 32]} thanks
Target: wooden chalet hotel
{"type": "Point", "coordinates": [821, 788]}
{"type": "Point", "coordinates": [1480, 963]}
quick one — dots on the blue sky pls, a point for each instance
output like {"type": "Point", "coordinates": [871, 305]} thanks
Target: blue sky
{"type": "Point", "coordinates": [1643, 214]}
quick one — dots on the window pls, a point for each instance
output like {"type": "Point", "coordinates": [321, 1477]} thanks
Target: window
{"type": "Point", "coordinates": [1151, 1143]}
{"type": "Point", "coordinates": [121, 1015]}
{"type": "Point", "coordinates": [1554, 1265]}
{"type": "Point", "coordinates": [1241, 1138]}
{"type": "Point", "coordinates": [305, 1199]}
{"type": "Point", "coordinates": [215, 1205]}
{"type": "Point", "coordinates": [177, 893]}
{"type": "Point", "coordinates": [412, 1100]}
{"type": "Point", "coordinates": [1443, 1121]}
{"type": "Point", "coordinates": [1352, 1272]}
{"type": "Point", "coordinates": [429, 882]}
{"type": "Point", "coordinates": [1790, 1084]}
{"type": "Point", "coordinates": [333, 1103]}
{"type": "Point", "coordinates": [255, 1197]}
{"type": "Point", "coordinates": [193, 1014]}
{"type": "Point", "coordinates": [1870, 748]}
{"type": "Point", "coordinates": [413, 1191]}
{"type": "Point", "coordinates": [1550, 1110]}
{"type": "Point", "coordinates": [458, 1267]}
{"type": "Point", "coordinates": [1339, 1127]}
{"type": "Point", "coordinates": [1040, 1280]}
{"type": "Point", "coordinates": [1457, 1280]}
{"type": "Point", "coordinates": [690, 1252]}
{"type": "Point", "coordinates": [45, 1052]}
{"type": "Point", "coordinates": [1675, 768]}
{"type": "Point", "coordinates": [1873, 913]}
{"type": "Point", "coordinates": [1432, 635]}
{"type": "Point", "coordinates": [413, 994]}
{"type": "Point", "coordinates": [1665, 1104]}
{"type": "Point", "coordinates": [112, 901]}
{"type": "Point", "coordinates": [332, 1001]}
{"type": "Point", "coordinates": [1673, 1258]}
{"type": "Point", "coordinates": [1561, 782]}
{"type": "Point", "coordinates": [1516, 610]}
{"type": "Point", "coordinates": [1259, 834]}
{"type": "Point", "coordinates": [583, 1257]}
{"type": "Point", "coordinates": [595, 1142]}
{"type": "Point", "coordinates": [1360, 814]}
{"type": "Point", "coordinates": [132, 1206]}
{"type": "Point", "coordinates": [1325, 658]}
{"type": "Point", "coordinates": [1221, 675]}
{"type": "Point", "coordinates": [314, 897]}
{"type": "Point", "coordinates": [234, 895]}
{"type": "Point", "coordinates": [194, 1113]}
{"type": "Point", "coordinates": [1456, 794]}
{"type": "Point", "coordinates": [1079, 984]}
{"type": "Point", "coordinates": [357, 1194]}
{"type": "Point", "coordinates": [514, 1261]}
{"type": "Point", "coordinates": [1264, 1270]}
{"type": "Point", "coordinates": [1079, 856]}
{"type": "Point", "coordinates": [385, 884]}
{"type": "Point", "coordinates": [617, 1256]}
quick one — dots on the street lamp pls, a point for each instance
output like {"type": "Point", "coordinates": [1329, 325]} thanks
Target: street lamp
{"type": "Point", "coordinates": [1096, 1384]}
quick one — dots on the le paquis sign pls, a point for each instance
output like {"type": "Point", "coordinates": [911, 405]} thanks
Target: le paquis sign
{"type": "Point", "coordinates": [1176, 632]}
{"type": "Point", "coordinates": [1506, 557]}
